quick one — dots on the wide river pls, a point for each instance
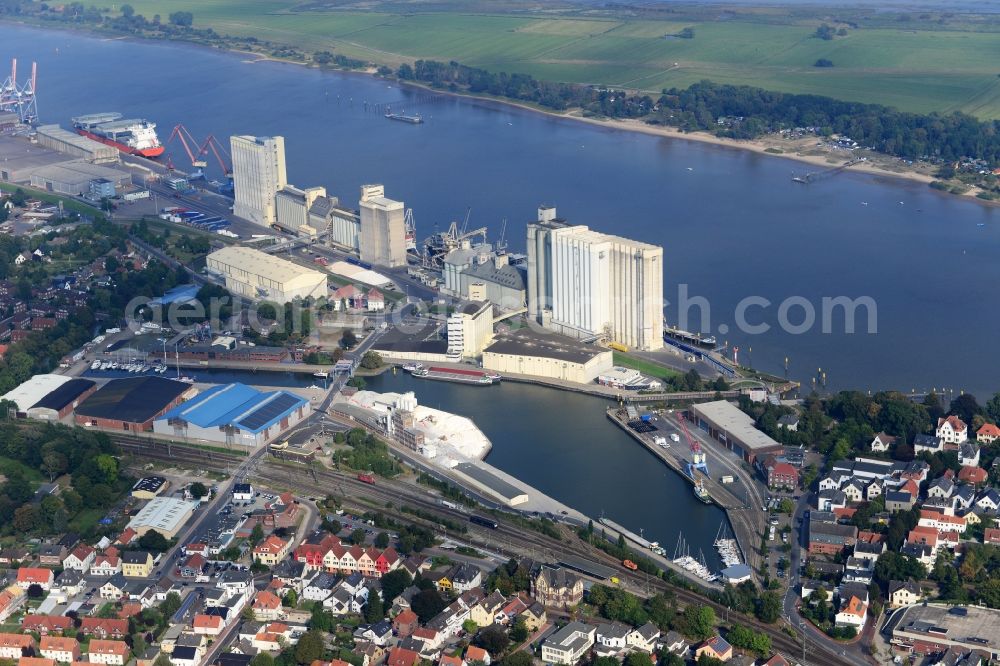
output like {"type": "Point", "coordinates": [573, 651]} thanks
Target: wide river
{"type": "Point", "coordinates": [733, 226]}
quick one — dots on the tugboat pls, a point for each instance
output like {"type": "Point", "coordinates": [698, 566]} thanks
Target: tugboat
{"type": "Point", "coordinates": [701, 493]}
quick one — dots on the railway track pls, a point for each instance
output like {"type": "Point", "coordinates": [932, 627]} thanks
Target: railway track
{"type": "Point", "coordinates": [505, 539]}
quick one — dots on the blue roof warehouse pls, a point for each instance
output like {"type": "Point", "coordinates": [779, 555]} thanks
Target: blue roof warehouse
{"type": "Point", "coordinates": [234, 414]}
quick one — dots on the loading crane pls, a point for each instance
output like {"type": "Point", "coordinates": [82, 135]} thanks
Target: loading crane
{"type": "Point", "coordinates": [218, 150]}
{"type": "Point", "coordinates": [180, 132]}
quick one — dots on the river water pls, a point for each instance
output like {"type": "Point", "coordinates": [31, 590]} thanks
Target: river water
{"type": "Point", "coordinates": [563, 444]}
{"type": "Point", "coordinates": [733, 226]}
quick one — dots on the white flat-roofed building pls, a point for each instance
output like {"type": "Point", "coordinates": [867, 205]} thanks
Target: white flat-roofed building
{"type": "Point", "coordinates": [258, 275]}
{"type": "Point", "coordinates": [258, 174]}
{"type": "Point", "coordinates": [166, 515]}
{"type": "Point", "coordinates": [569, 644]}
{"type": "Point", "coordinates": [627, 378]}
{"type": "Point", "coordinates": [383, 228]}
{"type": "Point", "coordinates": [731, 426]}
{"type": "Point", "coordinates": [584, 283]}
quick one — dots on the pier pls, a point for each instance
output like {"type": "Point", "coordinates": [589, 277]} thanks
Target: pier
{"type": "Point", "coordinates": [744, 516]}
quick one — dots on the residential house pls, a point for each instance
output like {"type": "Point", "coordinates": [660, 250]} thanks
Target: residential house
{"type": "Point", "coordinates": [952, 430]}
{"type": "Point", "coordinates": [964, 496]}
{"type": "Point", "coordinates": [941, 487]}
{"type": "Point", "coordinates": [13, 646]}
{"type": "Point", "coordinates": [475, 654]}
{"type": "Point", "coordinates": [977, 476]}
{"type": "Point", "coordinates": [989, 501]}
{"type": "Point", "coordinates": [987, 434]}
{"type": "Point", "coordinates": [270, 551]}
{"type": "Point", "coordinates": [80, 558]}
{"type": "Point", "coordinates": [104, 628]}
{"type": "Point", "coordinates": [556, 587]}
{"type": "Point", "coordinates": [882, 443]}
{"type": "Point", "coordinates": [903, 593]}
{"type": "Point", "coordinates": [534, 616]}
{"type": "Point", "coordinates": [267, 606]}
{"type": "Point", "coordinates": [488, 610]}
{"type": "Point", "coordinates": [46, 625]}
{"type": "Point", "coordinates": [782, 475]}
{"type": "Point", "coordinates": [465, 577]}
{"type": "Point", "coordinates": [923, 553]}
{"type": "Point", "coordinates": [789, 422]}
{"type": "Point", "coordinates": [612, 635]}
{"type": "Point", "coordinates": [834, 481]}
{"type": "Point", "coordinates": [405, 622]}
{"type": "Point", "coordinates": [113, 653]}
{"type": "Point", "coordinates": [828, 500]}
{"type": "Point", "coordinates": [57, 648]}
{"type": "Point", "coordinates": [114, 589]}
{"type": "Point", "coordinates": [185, 656]}
{"type": "Point", "coordinates": [643, 638]}
{"type": "Point", "coordinates": [716, 647]}
{"type": "Point", "coordinates": [853, 613]}
{"type": "Point", "coordinates": [928, 443]}
{"type": "Point", "coordinates": [569, 644]}
{"type": "Point", "coordinates": [379, 633]}
{"type": "Point", "coordinates": [320, 587]}
{"type": "Point", "coordinates": [137, 564]}
{"type": "Point", "coordinates": [402, 657]}
{"type": "Point", "coordinates": [106, 564]}
{"type": "Point", "coordinates": [674, 643]}
{"type": "Point", "coordinates": [207, 625]}
{"type": "Point", "coordinates": [968, 454]}
{"type": "Point", "coordinates": [28, 576]}
{"type": "Point", "coordinates": [874, 489]}
{"type": "Point", "coordinates": [854, 490]}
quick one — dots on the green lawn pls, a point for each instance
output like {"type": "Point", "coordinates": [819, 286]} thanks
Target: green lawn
{"type": "Point", "coordinates": [86, 520]}
{"type": "Point", "coordinates": [642, 365]}
{"type": "Point", "coordinates": [917, 65]}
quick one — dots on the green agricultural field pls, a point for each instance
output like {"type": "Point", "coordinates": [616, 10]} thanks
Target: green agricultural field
{"type": "Point", "coordinates": [924, 63]}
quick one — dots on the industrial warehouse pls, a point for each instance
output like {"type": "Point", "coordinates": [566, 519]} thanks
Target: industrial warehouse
{"type": "Point", "coordinates": [166, 515]}
{"type": "Point", "coordinates": [49, 397]}
{"type": "Point", "coordinates": [551, 356]}
{"type": "Point", "coordinates": [234, 414]}
{"type": "Point", "coordinates": [731, 426]}
{"type": "Point", "coordinates": [260, 276]}
{"type": "Point", "coordinates": [132, 403]}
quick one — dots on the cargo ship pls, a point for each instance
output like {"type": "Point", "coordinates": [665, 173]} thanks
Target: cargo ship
{"type": "Point", "coordinates": [457, 375]}
{"type": "Point", "coordinates": [135, 136]}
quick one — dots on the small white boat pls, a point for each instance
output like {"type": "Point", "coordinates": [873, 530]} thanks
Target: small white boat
{"type": "Point", "coordinates": [96, 365]}
{"type": "Point", "coordinates": [321, 374]}
{"type": "Point", "coordinates": [187, 380]}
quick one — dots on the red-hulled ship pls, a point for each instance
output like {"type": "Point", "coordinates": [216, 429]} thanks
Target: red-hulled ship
{"type": "Point", "coordinates": [132, 136]}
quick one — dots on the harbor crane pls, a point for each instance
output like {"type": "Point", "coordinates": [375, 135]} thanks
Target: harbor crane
{"type": "Point", "coordinates": [20, 98]}
{"type": "Point", "coordinates": [218, 150]}
{"type": "Point", "coordinates": [180, 132]}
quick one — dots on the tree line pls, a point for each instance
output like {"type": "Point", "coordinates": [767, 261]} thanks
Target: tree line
{"type": "Point", "coordinates": [757, 111]}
